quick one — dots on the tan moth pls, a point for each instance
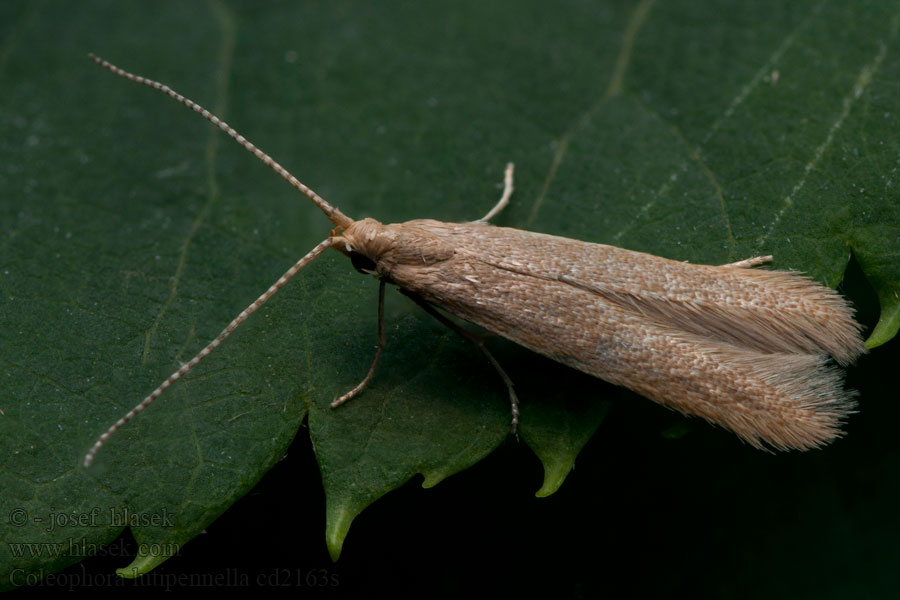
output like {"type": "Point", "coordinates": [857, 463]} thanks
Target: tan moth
{"type": "Point", "coordinates": [747, 349]}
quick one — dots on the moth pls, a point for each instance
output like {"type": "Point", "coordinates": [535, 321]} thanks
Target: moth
{"type": "Point", "coordinates": [747, 349]}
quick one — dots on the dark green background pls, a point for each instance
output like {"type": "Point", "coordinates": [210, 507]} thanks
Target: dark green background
{"type": "Point", "coordinates": [132, 232]}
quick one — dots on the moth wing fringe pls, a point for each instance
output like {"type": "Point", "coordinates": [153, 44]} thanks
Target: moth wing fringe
{"type": "Point", "coordinates": [808, 317]}
{"type": "Point", "coordinates": [783, 401]}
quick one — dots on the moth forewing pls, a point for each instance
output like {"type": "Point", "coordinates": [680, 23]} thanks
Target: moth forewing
{"type": "Point", "coordinates": [743, 348]}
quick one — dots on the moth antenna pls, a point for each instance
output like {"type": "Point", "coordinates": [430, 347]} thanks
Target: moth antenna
{"type": "Point", "coordinates": [189, 366]}
{"type": "Point", "coordinates": [338, 218]}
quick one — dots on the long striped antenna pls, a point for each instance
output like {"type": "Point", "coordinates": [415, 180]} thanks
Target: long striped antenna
{"type": "Point", "coordinates": [338, 218]}
{"type": "Point", "coordinates": [189, 366]}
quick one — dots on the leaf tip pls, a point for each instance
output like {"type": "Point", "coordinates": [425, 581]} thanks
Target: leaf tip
{"type": "Point", "coordinates": [885, 330]}
{"type": "Point", "coordinates": [554, 475]}
{"type": "Point", "coordinates": [141, 565]}
{"type": "Point", "coordinates": [336, 528]}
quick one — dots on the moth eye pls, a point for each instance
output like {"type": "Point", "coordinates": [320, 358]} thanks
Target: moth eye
{"type": "Point", "coordinates": [362, 263]}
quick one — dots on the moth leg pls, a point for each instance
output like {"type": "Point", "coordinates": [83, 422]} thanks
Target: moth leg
{"type": "Point", "coordinates": [750, 262]}
{"type": "Point", "coordinates": [504, 199]}
{"type": "Point", "coordinates": [362, 384]}
{"type": "Point", "coordinates": [475, 339]}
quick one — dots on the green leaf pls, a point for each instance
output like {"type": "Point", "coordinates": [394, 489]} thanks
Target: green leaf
{"type": "Point", "coordinates": [133, 232]}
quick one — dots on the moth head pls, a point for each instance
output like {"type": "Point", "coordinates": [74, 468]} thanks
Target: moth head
{"type": "Point", "coordinates": [365, 243]}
